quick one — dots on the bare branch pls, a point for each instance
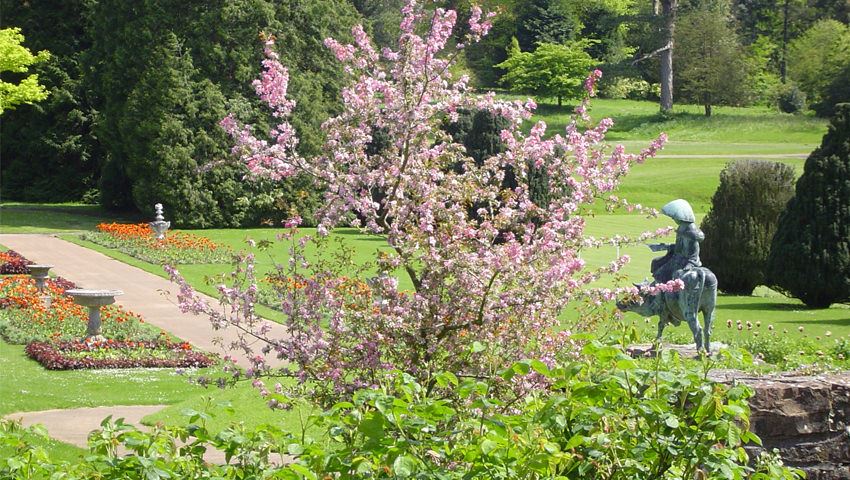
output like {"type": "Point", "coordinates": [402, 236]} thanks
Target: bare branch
{"type": "Point", "coordinates": [652, 53]}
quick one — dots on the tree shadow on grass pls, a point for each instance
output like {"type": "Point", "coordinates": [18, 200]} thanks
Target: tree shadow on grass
{"type": "Point", "coordinates": [353, 232]}
{"type": "Point", "coordinates": [23, 218]}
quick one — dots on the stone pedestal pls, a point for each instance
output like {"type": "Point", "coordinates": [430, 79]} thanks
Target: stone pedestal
{"type": "Point", "coordinates": [94, 299]}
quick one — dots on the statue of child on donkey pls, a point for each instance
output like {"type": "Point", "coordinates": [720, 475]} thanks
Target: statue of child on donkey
{"type": "Point", "coordinates": [680, 262]}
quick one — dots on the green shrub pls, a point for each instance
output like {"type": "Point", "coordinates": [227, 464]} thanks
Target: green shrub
{"type": "Point", "coordinates": [604, 416]}
{"type": "Point", "coordinates": [742, 220]}
{"type": "Point", "coordinates": [790, 99]}
{"type": "Point", "coordinates": [810, 253]}
{"type": "Point", "coordinates": [631, 88]}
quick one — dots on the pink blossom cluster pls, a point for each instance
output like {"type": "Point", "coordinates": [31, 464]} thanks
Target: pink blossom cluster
{"type": "Point", "coordinates": [499, 277]}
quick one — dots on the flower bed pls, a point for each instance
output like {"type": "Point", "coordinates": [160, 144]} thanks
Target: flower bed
{"type": "Point", "coordinates": [23, 317]}
{"type": "Point", "coordinates": [116, 354]}
{"type": "Point", "coordinates": [138, 240]}
{"type": "Point", "coordinates": [12, 262]}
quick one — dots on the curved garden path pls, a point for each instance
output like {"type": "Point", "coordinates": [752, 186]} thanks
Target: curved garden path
{"type": "Point", "coordinates": [144, 293]}
{"type": "Point", "coordinates": [74, 425]}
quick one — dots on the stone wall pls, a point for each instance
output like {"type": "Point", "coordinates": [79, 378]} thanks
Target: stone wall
{"type": "Point", "coordinates": [806, 417]}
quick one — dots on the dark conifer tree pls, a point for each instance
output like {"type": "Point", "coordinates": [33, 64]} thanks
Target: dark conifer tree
{"type": "Point", "coordinates": [810, 254]}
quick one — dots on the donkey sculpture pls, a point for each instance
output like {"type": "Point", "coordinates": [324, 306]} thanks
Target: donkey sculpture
{"type": "Point", "coordinates": [699, 295]}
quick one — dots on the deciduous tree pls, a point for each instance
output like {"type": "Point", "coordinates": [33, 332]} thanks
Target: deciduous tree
{"type": "Point", "coordinates": [15, 58]}
{"type": "Point", "coordinates": [550, 71]}
{"type": "Point", "coordinates": [470, 292]}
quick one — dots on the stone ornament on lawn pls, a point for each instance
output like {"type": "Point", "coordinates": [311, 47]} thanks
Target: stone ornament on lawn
{"type": "Point", "coordinates": [159, 225]}
{"type": "Point", "coordinates": [94, 299]}
{"type": "Point", "coordinates": [39, 274]}
{"type": "Point", "coordinates": [681, 262]}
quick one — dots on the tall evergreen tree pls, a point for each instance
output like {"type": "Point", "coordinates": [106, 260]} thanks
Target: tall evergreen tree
{"type": "Point", "coordinates": [709, 60]}
{"type": "Point", "coordinates": [546, 21]}
{"type": "Point", "coordinates": [810, 253]}
{"type": "Point", "coordinates": [48, 153]}
{"type": "Point", "coordinates": [212, 50]}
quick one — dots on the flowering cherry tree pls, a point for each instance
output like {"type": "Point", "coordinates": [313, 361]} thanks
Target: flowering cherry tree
{"type": "Point", "coordinates": [489, 267]}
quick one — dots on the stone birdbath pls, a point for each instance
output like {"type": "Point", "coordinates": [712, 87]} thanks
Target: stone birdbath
{"type": "Point", "coordinates": [39, 274]}
{"type": "Point", "coordinates": [94, 299]}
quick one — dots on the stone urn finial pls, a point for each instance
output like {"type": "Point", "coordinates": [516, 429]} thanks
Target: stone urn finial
{"type": "Point", "coordinates": [159, 225]}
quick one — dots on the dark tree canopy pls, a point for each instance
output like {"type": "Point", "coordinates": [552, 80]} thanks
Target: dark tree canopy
{"type": "Point", "coordinates": [742, 220]}
{"type": "Point", "coordinates": [47, 151]}
{"type": "Point", "coordinates": [810, 253]}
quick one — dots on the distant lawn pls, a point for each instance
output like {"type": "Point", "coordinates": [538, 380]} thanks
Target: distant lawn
{"type": "Point", "coordinates": [54, 218]}
{"type": "Point", "coordinates": [660, 180]}
{"type": "Point", "coordinates": [731, 130]}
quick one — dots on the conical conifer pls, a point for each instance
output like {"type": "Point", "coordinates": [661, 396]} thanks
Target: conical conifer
{"type": "Point", "coordinates": [810, 253]}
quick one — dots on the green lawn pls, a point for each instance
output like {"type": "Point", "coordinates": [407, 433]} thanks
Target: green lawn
{"type": "Point", "coordinates": [25, 386]}
{"type": "Point", "coordinates": [731, 130]}
{"type": "Point", "coordinates": [18, 217]}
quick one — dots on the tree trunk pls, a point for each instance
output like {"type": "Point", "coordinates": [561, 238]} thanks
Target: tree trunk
{"type": "Point", "coordinates": [559, 100]}
{"type": "Point", "coordinates": [707, 109]}
{"type": "Point", "coordinates": [783, 66]}
{"type": "Point", "coordinates": [668, 11]}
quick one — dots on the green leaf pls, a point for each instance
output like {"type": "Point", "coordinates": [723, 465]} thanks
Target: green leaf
{"type": "Point", "coordinates": [626, 364]}
{"type": "Point", "coordinates": [478, 347]}
{"type": "Point", "coordinates": [574, 442]}
{"type": "Point", "coordinates": [372, 426]}
{"type": "Point", "coordinates": [302, 471]}
{"type": "Point", "coordinates": [404, 466]}
{"type": "Point", "coordinates": [540, 368]}
{"type": "Point", "coordinates": [672, 422]}
{"type": "Point", "coordinates": [444, 379]}
{"type": "Point", "coordinates": [488, 446]}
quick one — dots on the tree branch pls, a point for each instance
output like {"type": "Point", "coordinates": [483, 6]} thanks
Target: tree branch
{"type": "Point", "coordinates": [652, 53]}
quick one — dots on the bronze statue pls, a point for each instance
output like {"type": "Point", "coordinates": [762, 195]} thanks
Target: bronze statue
{"type": "Point", "coordinates": [681, 262]}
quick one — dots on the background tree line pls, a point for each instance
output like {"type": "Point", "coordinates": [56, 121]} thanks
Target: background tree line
{"type": "Point", "coordinates": [136, 88]}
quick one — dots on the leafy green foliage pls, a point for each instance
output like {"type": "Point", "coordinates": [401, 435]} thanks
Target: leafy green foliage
{"type": "Point", "coordinates": [16, 58]}
{"type": "Point", "coordinates": [810, 253]}
{"type": "Point", "coordinates": [817, 57]}
{"type": "Point", "coordinates": [550, 71]}
{"type": "Point", "coordinates": [605, 416]}
{"type": "Point", "coordinates": [48, 151]}
{"type": "Point", "coordinates": [740, 226]}
{"type": "Point", "coordinates": [710, 68]}
{"type": "Point", "coordinates": [163, 84]}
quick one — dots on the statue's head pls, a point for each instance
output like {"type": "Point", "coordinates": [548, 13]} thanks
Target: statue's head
{"type": "Point", "coordinates": [645, 304]}
{"type": "Point", "coordinates": [680, 211]}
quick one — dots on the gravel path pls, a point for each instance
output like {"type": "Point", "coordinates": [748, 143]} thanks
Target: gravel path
{"type": "Point", "coordinates": [74, 425]}
{"type": "Point", "coordinates": [144, 293]}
